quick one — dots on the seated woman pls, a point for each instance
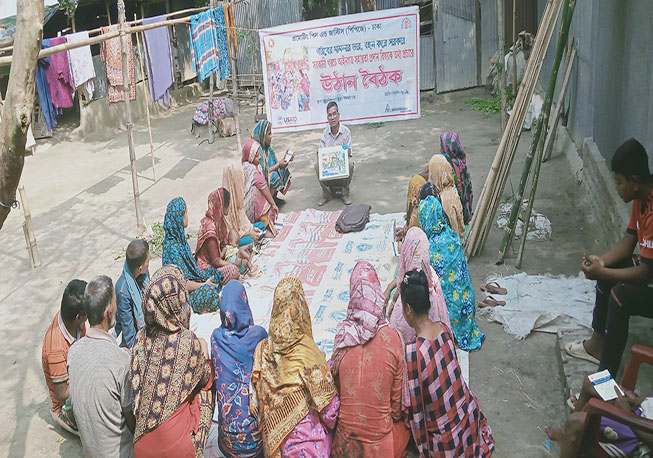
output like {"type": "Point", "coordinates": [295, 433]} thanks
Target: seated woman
{"type": "Point", "coordinates": [276, 173]}
{"type": "Point", "coordinates": [412, 201]}
{"type": "Point", "coordinates": [235, 217]}
{"type": "Point", "coordinates": [443, 413]}
{"type": "Point", "coordinates": [258, 204]}
{"type": "Point", "coordinates": [292, 392]}
{"type": "Point", "coordinates": [442, 176]}
{"type": "Point", "coordinates": [368, 354]}
{"type": "Point", "coordinates": [232, 351]}
{"type": "Point", "coordinates": [448, 261]}
{"type": "Point", "coordinates": [451, 147]}
{"type": "Point", "coordinates": [204, 285]}
{"type": "Point", "coordinates": [170, 422]}
{"type": "Point", "coordinates": [415, 254]}
{"type": "Point", "coordinates": [212, 236]}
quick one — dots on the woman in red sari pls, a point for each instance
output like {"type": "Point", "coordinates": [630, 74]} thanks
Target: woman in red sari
{"type": "Point", "coordinates": [367, 366]}
{"type": "Point", "coordinates": [259, 204]}
{"type": "Point", "coordinates": [171, 374]}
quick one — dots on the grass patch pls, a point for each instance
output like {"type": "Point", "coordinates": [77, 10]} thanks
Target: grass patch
{"type": "Point", "coordinates": [489, 105]}
{"type": "Point", "coordinates": [376, 125]}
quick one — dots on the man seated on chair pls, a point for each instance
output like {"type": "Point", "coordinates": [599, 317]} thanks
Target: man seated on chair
{"type": "Point", "coordinates": [335, 134]}
{"type": "Point", "coordinates": [623, 288]}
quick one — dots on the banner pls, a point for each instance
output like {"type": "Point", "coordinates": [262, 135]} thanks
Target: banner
{"type": "Point", "coordinates": [367, 63]}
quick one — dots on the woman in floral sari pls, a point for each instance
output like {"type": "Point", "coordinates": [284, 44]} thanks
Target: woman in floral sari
{"type": "Point", "coordinates": [448, 260]}
{"type": "Point", "coordinates": [232, 351]}
{"type": "Point", "coordinates": [442, 176]}
{"type": "Point", "coordinates": [258, 204]}
{"type": "Point", "coordinates": [276, 173]}
{"type": "Point", "coordinates": [368, 368]}
{"type": "Point", "coordinates": [170, 423]}
{"type": "Point", "coordinates": [451, 147]}
{"type": "Point", "coordinates": [204, 285]}
{"type": "Point", "coordinates": [293, 394]}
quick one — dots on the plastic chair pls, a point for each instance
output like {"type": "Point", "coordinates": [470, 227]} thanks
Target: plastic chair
{"type": "Point", "coordinates": [597, 408]}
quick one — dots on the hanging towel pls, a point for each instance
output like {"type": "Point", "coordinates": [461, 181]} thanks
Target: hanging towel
{"type": "Point", "coordinates": [203, 44]}
{"type": "Point", "coordinates": [230, 23]}
{"type": "Point", "coordinates": [111, 53]}
{"type": "Point", "coordinates": [60, 81]}
{"type": "Point", "coordinates": [158, 60]}
{"type": "Point", "coordinates": [221, 42]}
{"type": "Point", "coordinates": [81, 63]}
{"type": "Point", "coordinates": [44, 92]}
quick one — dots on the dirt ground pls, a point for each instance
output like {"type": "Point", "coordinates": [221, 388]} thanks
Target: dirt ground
{"type": "Point", "coordinates": [80, 195]}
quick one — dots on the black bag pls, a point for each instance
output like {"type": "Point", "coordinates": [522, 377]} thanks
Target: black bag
{"type": "Point", "coordinates": [353, 218]}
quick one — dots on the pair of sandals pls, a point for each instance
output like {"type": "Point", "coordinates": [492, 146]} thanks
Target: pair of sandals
{"type": "Point", "coordinates": [492, 288]}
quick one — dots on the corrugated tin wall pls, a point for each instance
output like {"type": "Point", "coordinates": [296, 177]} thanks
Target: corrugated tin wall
{"type": "Point", "coordinates": [387, 4]}
{"type": "Point", "coordinates": [489, 35]}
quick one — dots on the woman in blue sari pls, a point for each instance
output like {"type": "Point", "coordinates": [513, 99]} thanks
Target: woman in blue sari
{"type": "Point", "coordinates": [448, 260]}
{"type": "Point", "coordinates": [232, 352]}
{"type": "Point", "coordinates": [204, 285]}
{"type": "Point", "coordinates": [276, 173]}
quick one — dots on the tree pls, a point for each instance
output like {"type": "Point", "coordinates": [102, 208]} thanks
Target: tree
{"type": "Point", "coordinates": [19, 100]}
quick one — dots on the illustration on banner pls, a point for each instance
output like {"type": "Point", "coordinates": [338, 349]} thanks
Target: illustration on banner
{"type": "Point", "coordinates": [288, 78]}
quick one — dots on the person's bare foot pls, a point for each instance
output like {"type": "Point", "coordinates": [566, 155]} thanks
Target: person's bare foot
{"type": "Point", "coordinates": [555, 434]}
{"type": "Point", "coordinates": [593, 348]}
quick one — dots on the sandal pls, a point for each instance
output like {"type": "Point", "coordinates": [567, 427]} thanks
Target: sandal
{"type": "Point", "coordinates": [491, 302]}
{"type": "Point", "coordinates": [572, 400]}
{"type": "Point", "coordinates": [577, 350]}
{"type": "Point", "coordinates": [494, 288]}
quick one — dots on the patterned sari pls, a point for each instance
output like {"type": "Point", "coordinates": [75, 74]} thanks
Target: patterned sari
{"type": "Point", "coordinates": [213, 225]}
{"type": "Point", "coordinates": [166, 355]}
{"type": "Point", "coordinates": [412, 200]}
{"type": "Point", "coordinates": [176, 251]}
{"type": "Point", "coordinates": [442, 176]}
{"type": "Point", "coordinates": [280, 178]}
{"type": "Point", "coordinates": [291, 378]}
{"type": "Point", "coordinates": [448, 260]}
{"type": "Point", "coordinates": [232, 351]}
{"type": "Point", "coordinates": [233, 181]}
{"type": "Point", "coordinates": [256, 206]}
{"type": "Point", "coordinates": [452, 147]}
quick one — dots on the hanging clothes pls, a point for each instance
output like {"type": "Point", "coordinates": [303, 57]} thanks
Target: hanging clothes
{"type": "Point", "coordinates": [81, 63]}
{"type": "Point", "coordinates": [230, 23]}
{"type": "Point", "coordinates": [101, 85]}
{"type": "Point", "coordinates": [43, 89]}
{"type": "Point", "coordinates": [60, 81]}
{"type": "Point", "coordinates": [209, 43]}
{"type": "Point", "coordinates": [158, 60]}
{"type": "Point", "coordinates": [111, 53]}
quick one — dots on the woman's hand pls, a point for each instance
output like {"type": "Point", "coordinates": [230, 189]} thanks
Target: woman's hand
{"type": "Point", "coordinates": [282, 164]}
{"type": "Point", "coordinates": [275, 208]}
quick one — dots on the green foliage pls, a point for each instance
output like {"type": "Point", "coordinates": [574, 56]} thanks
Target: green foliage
{"type": "Point", "coordinates": [489, 105]}
{"type": "Point", "coordinates": [154, 235]}
{"type": "Point", "coordinates": [376, 125]}
{"type": "Point", "coordinates": [68, 6]}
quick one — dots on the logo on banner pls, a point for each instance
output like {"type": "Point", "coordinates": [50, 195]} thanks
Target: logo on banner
{"type": "Point", "coordinates": [406, 24]}
{"type": "Point", "coordinates": [271, 43]}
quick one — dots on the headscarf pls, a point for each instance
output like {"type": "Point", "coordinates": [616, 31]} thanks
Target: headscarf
{"type": "Point", "coordinates": [442, 176]}
{"type": "Point", "coordinates": [268, 157]}
{"type": "Point", "coordinates": [213, 224]}
{"type": "Point", "coordinates": [175, 247]}
{"type": "Point", "coordinates": [290, 373]}
{"type": "Point", "coordinates": [233, 181]}
{"type": "Point", "coordinates": [167, 361]}
{"type": "Point", "coordinates": [250, 148]}
{"type": "Point", "coordinates": [454, 149]}
{"type": "Point", "coordinates": [365, 313]}
{"type": "Point", "coordinates": [412, 201]}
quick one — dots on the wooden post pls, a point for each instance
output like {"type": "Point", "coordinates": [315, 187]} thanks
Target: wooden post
{"type": "Point", "coordinates": [555, 118]}
{"type": "Point", "coordinates": [72, 22]}
{"type": "Point", "coordinates": [502, 64]}
{"type": "Point", "coordinates": [146, 90]}
{"type": "Point", "coordinates": [128, 112]}
{"type": "Point", "coordinates": [514, 48]}
{"type": "Point", "coordinates": [106, 4]}
{"type": "Point", "coordinates": [28, 228]}
{"type": "Point", "coordinates": [234, 78]}
{"type": "Point", "coordinates": [211, 81]}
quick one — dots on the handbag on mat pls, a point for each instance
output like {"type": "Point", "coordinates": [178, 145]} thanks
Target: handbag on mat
{"type": "Point", "coordinates": [353, 218]}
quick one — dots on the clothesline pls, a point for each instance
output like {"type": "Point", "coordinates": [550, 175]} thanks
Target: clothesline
{"type": "Point", "coordinates": [6, 60]}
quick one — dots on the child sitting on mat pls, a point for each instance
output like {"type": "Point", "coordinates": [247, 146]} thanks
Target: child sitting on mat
{"type": "Point", "coordinates": [239, 251]}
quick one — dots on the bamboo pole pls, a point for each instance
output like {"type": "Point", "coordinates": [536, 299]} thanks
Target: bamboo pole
{"type": "Point", "coordinates": [211, 82]}
{"type": "Point", "coordinates": [514, 48]}
{"type": "Point", "coordinates": [146, 89]}
{"type": "Point", "coordinates": [128, 112]}
{"type": "Point", "coordinates": [567, 15]}
{"type": "Point", "coordinates": [555, 118]}
{"type": "Point", "coordinates": [28, 228]}
{"type": "Point", "coordinates": [497, 176]}
{"type": "Point", "coordinates": [106, 4]}
{"type": "Point", "coordinates": [502, 76]}
{"type": "Point", "coordinates": [234, 77]}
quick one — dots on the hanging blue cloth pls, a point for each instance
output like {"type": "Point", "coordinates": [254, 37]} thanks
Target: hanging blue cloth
{"type": "Point", "coordinates": [208, 37]}
{"type": "Point", "coordinates": [43, 89]}
{"type": "Point", "coordinates": [221, 42]}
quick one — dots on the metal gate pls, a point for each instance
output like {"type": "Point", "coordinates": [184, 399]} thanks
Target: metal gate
{"type": "Point", "coordinates": [455, 44]}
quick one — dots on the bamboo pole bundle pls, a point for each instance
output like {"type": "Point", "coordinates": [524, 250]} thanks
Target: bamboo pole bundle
{"type": "Point", "coordinates": [555, 118]}
{"type": "Point", "coordinates": [502, 70]}
{"type": "Point", "coordinates": [567, 14]}
{"type": "Point", "coordinates": [497, 176]}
